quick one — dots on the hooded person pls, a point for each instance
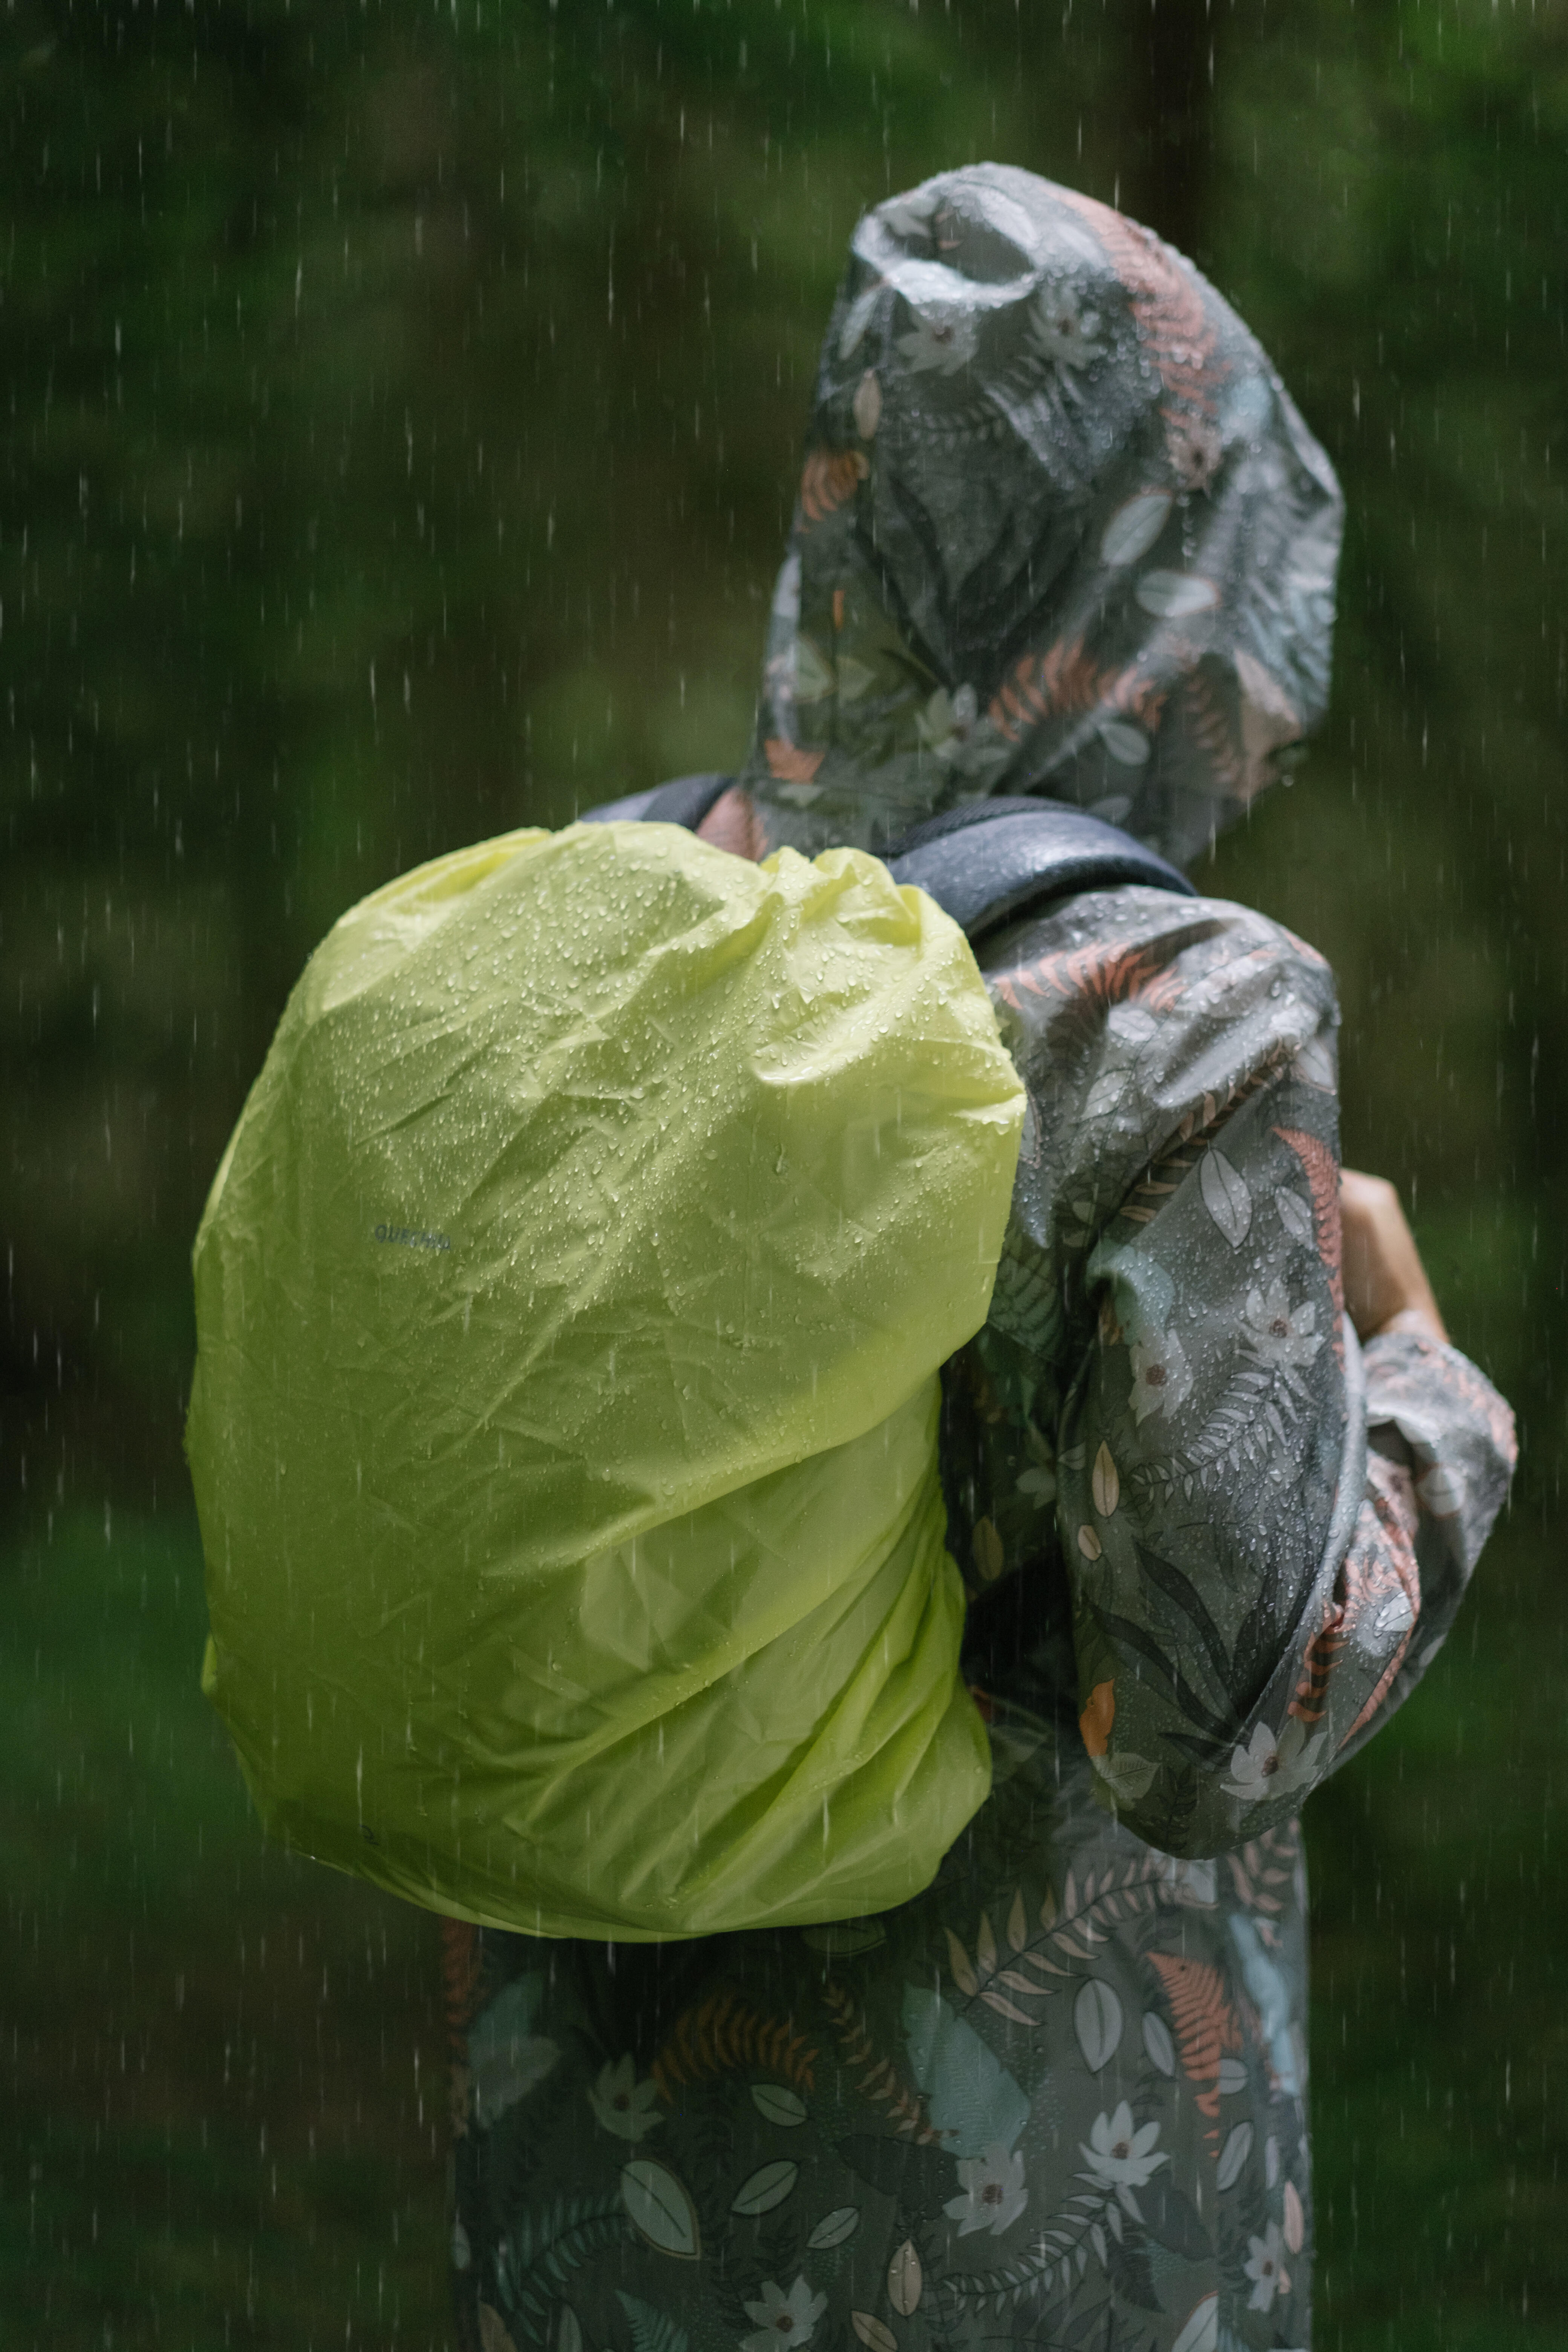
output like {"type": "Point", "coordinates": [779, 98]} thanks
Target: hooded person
{"type": "Point", "coordinates": [1060, 533]}
{"type": "Point", "coordinates": [1061, 530]}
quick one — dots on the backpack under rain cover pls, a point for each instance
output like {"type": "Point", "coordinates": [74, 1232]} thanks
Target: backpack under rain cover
{"type": "Point", "coordinates": [569, 1303]}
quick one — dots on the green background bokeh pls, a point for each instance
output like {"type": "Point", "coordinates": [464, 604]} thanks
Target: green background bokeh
{"type": "Point", "coordinates": [403, 407]}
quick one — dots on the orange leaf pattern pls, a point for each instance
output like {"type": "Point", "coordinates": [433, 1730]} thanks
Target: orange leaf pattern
{"type": "Point", "coordinates": [1207, 2026]}
{"type": "Point", "coordinates": [723, 2035]}
{"type": "Point", "coordinates": [1323, 1167]}
{"type": "Point", "coordinates": [1063, 679]}
{"type": "Point", "coordinates": [830, 477]}
{"type": "Point", "coordinates": [1177, 329]}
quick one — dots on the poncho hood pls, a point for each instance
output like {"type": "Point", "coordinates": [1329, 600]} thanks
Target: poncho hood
{"type": "Point", "coordinates": [1060, 529]}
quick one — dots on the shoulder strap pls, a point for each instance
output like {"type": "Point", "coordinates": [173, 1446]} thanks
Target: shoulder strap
{"type": "Point", "coordinates": [990, 861]}
{"type": "Point", "coordinates": [983, 864]}
{"type": "Point", "coordinates": [685, 800]}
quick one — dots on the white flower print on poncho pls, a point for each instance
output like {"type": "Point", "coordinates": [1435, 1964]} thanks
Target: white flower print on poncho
{"type": "Point", "coordinates": [622, 2103]}
{"type": "Point", "coordinates": [1063, 328]}
{"type": "Point", "coordinates": [783, 2319]}
{"type": "Point", "coordinates": [1161, 1377]}
{"type": "Point", "coordinates": [1270, 1766]}
{"type": "Point", "coordinates": [1279, 1333]}
{"type": "Point", "coordinates": [1265, 2266]}
{"type": "Point", "coordinates": [994, 2192]}
{"type": "Point", "coordinates": [1120, 2157]}
{"type": "Point", "coordinates": [944, 340]}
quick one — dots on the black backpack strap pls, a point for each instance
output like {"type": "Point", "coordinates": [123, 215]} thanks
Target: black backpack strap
{"type": "Point", "coordinates": [983, 864]}
{"type": "Point", "coordinates": [990, 861]}
{"type": "Point", "coordinates": [685, 800]}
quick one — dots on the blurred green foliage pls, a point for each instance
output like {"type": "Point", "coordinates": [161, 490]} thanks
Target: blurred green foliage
{"type": "Point", "coordinates": [402, 412]}
{"type": "Point", "coordinates": [224, 2078]}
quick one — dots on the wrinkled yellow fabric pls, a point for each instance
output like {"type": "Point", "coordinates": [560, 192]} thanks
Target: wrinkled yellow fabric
{"type": "Point", "coordinates": [569, 1302]}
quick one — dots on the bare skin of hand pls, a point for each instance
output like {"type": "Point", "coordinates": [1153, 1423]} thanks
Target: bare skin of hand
{"type": "Point", "coordinates": [1386, 1287]}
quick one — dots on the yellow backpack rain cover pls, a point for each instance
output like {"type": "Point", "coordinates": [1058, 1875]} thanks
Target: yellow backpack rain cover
{"type": "Point", "coordinates": [568, 1304]}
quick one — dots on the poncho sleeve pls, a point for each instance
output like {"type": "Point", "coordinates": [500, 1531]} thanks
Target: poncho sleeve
{"type": "Point", "coordinates": [1266, 1533]}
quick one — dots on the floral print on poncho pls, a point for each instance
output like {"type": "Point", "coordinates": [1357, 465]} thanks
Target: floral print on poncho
{"type": "Point", "coordinates": [1059, 2098]}
{"type": "Point", "coordinates": [1061, 529]}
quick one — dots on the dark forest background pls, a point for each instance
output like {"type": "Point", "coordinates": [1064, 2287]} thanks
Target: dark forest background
{"type": "Point", "coordinates": [399, 413]}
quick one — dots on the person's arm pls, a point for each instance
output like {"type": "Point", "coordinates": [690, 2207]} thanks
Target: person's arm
{"type": "Point", "coordinates": [1258, 1530]}
{"type": "Point", "coordinates": [1441, 1440]}
{"type": "Point", "coordinates": [1386, 1288]}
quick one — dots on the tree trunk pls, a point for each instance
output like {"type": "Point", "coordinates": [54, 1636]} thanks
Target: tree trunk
{"type": "Point", "coordinates": [1170, 52]}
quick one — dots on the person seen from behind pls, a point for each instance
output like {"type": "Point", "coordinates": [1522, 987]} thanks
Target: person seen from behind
{"type": "Point", "coordinates": [1216, 1478]}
